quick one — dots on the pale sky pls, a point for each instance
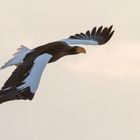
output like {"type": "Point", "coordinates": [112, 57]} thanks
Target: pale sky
{"type": "Point", "coordinates": [85, 97]}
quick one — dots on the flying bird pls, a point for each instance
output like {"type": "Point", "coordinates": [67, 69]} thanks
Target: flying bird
{"type": "Point", "coordinates": [24, 81]}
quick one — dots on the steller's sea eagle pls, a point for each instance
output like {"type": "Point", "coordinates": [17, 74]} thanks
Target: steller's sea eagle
{"type": "Point", "coordinates": [24, 81]}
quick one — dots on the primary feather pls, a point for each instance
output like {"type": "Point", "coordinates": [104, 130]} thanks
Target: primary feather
{"type": "Point", "coordinates": [95, 37]}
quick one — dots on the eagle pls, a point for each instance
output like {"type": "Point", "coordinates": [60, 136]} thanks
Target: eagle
{"type": "Point", "coordinates": [24, 81]}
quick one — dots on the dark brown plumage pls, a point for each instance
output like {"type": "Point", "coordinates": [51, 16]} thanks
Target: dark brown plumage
{"type": "Point", "coordinates": [56, 49]}
{"type": "Point", "coordinates": [23, 82]}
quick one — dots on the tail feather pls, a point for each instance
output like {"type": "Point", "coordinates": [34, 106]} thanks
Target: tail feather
{"type": "Point", "coordinates": [18, 57]}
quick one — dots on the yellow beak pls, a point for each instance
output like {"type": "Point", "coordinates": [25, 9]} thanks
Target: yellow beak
{"type": "Point", "coordinates": [81, 50]}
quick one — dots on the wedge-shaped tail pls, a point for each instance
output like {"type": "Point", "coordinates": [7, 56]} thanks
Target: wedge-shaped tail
{"type": "Point", "coordinates": [18, 57]}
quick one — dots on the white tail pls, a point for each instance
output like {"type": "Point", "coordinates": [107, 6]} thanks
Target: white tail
{"type": "Point", "coordinates": [18, 57]}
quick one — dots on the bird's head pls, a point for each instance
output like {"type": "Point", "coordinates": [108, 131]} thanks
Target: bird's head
{"type": "Point", "coordinates": [75, 50]}
{"type": "Point", "coordinates": [61, 49]}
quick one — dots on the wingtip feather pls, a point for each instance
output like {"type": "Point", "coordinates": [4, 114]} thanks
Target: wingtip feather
{"type": "Point", "coordinates": [97, 36]}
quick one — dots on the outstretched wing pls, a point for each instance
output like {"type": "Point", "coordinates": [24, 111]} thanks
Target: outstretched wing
{"type": "Point", "coordinates": [24, 81]}
{"type": "Point", "coordinates": [97, 36]}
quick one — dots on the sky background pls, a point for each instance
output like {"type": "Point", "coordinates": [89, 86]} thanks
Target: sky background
{"type": "Point", "coordinates": [85, 97]}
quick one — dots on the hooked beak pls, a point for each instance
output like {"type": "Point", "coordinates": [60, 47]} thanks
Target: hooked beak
{"type": "Point", "coordinates": [80, 50]}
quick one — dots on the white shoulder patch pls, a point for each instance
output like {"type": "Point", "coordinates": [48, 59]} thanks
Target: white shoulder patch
{"type": "Point", "coordinates": [80, 41]}
{"type": "Point", "coordinates": [33, 79]}
{"type": "Point", "coordinates": [18, 57]}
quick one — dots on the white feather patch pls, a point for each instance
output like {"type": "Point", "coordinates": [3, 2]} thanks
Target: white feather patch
{"type": "Point", "coordinates": [37, 69]}
{"type": "Point", "coordinates": [18, 57]}
{"type": "Point", "coordinates": [80, 42]}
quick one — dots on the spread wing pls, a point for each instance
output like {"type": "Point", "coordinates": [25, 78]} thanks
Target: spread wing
{"type": "Point", "coordinates": [24, 81]}
{"type": "Point", "coordinates": [97, 36]}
